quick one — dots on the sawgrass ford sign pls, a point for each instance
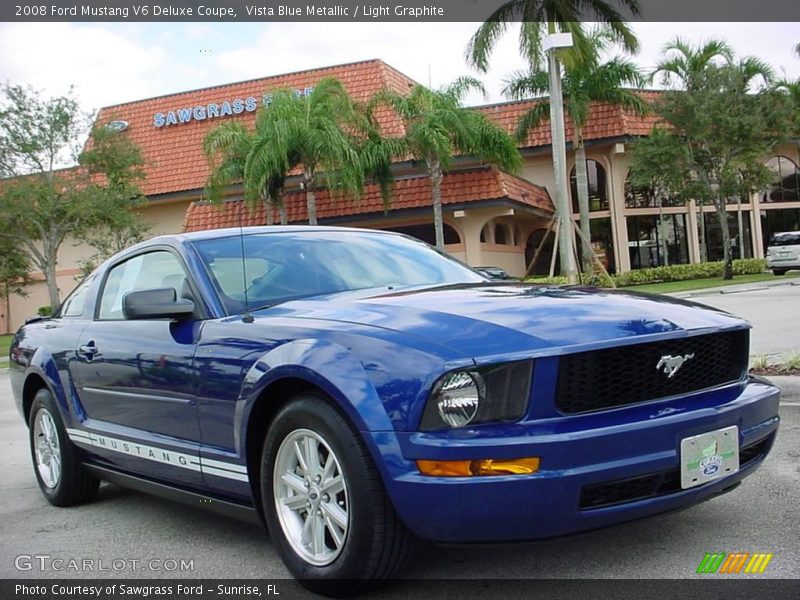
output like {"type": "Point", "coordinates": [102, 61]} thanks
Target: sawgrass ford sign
{"type": "Point", "coordinates": [215, 110]}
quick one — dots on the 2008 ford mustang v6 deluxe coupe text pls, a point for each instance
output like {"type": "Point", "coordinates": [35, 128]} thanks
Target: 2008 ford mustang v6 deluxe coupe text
{"type": "Point", "coordinates": [356, 389]}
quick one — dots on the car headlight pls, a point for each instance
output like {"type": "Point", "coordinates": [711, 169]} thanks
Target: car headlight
{"type": "Point", "coordinates": [480, 395]}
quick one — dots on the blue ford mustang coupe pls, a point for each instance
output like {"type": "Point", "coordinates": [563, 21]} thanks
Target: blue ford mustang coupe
{"type": "Point", "coordinates": [357, 389]}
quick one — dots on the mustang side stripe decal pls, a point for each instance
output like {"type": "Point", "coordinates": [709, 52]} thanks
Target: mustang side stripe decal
{"type": "Point", "coordinates": [161, 455]}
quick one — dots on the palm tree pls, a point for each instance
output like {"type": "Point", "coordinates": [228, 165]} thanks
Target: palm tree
{"type": "Point", "coordinates": [323, 132]}
{"type": "Point", "coordinates": [538, 18]}
{"type": "Point", "coordinates": [437, 127]}
{"type": "Point", "coordinates": [585, 80]}
{"type": "Point", "coordinates": [685, 65]}
{"type": "Point", "coordinates": [227, 147]}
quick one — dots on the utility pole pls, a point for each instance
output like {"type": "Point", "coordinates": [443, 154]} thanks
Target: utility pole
{"type": "Point", "coordinates": [551, 44]}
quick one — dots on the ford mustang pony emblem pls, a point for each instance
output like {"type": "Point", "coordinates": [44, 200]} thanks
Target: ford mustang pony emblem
{"type": "Point", "coordinates": [670, 364]}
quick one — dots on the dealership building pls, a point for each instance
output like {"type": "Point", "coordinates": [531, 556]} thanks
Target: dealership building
{"type": "Point", "coordinates": [491, 218]}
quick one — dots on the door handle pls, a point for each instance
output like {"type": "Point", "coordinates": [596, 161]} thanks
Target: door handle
{"type": "Point", "coordinates": [88, 350]}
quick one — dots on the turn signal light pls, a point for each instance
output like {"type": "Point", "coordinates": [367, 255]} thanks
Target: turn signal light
{"type": "Point", "coordinates": [471, 468]}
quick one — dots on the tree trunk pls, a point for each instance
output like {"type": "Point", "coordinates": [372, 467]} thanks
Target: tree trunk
{"type": "Point", "coordinates": [435, 170]}
{"type": "Point", "coordinates": [311, 197]}
{"type": "Point", "coordinates": [727, 257]}
{"type": "Point", "coordinates": [582, 181]}
{"type": "Point", "coordinates": [284, 218]}
{"type": "Point", "coordinates": [49, 272]}
{"type": "Point", "coordinates": [703, 247]}
{"type": "Point", "coordinates": [268, 211]}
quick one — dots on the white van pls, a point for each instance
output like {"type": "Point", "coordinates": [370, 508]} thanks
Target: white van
{"type": "Point", "coordinates": [783, 252]}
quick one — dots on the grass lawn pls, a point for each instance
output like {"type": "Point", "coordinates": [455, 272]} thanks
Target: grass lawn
{"type": "Point", "coordinates": [709, 282]}
{"type": "Point", "coordinates": [5, 343]}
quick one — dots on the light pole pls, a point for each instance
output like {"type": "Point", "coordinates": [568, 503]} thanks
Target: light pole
{"type": "Point", "coordinates": [566, 236]}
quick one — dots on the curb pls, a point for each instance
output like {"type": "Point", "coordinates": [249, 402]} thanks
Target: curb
{"type": "Point", "coordinates": [789, 384]}
{"type": "Point", "coordinates": [735, 289]}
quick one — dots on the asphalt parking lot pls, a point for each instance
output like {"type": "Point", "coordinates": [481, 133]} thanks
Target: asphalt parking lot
{"type": "Point", "coordinates": [762, 515]}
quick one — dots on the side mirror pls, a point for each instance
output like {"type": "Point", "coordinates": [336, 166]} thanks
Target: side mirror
{"type": "Point", "coordinates": [161, 303]}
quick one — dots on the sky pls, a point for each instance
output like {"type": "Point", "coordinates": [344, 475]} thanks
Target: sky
{"type": "Point", "coordinates": [112, 63]}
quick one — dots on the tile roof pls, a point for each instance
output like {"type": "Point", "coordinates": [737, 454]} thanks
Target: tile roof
{"type": "Point", "coordinates": [605, 121]}
{"type": "Point", "coordinates": [174, 156]}
{"type": "Point", "coordinates": [458, 187]}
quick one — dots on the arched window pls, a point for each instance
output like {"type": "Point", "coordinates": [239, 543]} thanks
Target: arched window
{"type": "Point", "coordinates": [785, 186]}
{"type": "Point", "coordinates": [637, 197]}
{"type": "Point", "coordinates": [427, 233]}
{"type": "Point", "coordinates": [501, 234]}
{"type": "Point", "coordinates": [598, 190]}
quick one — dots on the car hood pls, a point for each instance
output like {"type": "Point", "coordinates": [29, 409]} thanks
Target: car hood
{"type": "Point", "coordinates": [485, 320]}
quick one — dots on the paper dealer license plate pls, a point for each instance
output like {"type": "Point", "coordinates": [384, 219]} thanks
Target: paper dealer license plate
{"type": "Point", "coordinates": [709, 456]}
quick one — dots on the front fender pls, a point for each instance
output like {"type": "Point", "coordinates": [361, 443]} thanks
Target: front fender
{"type": "Point", "coordinates": [333, 369]}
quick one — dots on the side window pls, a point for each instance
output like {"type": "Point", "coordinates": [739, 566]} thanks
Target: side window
{"type": "Point", "coordinates": [73, 306]}
{"type": "Point", "coordinates": [158, 269]}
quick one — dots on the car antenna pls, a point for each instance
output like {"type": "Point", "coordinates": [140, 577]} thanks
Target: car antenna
{"type": "Point", "coordinates": [246, 316]}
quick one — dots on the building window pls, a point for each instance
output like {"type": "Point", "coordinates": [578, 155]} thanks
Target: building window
{"type": "Point", "coordinates": [778, 221]}
{"type": "Point", "coordinates": [602, 244]}
{"type": "Point", "coordinates": [542, 238]}
{"type": "Point", "coordinates": [427, 233]}
{"type": "Point", "coordinates": [714, 247]}
{"type": "Point", "coordinates": [651, 246]}
{"type": "Point", "coordinates": [502, 235]}
{"type": "Point", "coordinates": [598, 190]}
{"type": "Point", "coordinates": [646, 198]}
{"type": "Point", "coordinates": [785, 186]}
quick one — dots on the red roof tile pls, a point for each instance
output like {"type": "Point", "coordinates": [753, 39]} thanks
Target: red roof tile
{"type": "Point", "coordinates": [457, 188]}
{"type": "Point", "coordinates": [174, 156]}
{"type": "Point", "coordinates": [605, 121]}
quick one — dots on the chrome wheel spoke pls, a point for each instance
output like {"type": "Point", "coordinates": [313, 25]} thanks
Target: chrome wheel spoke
{"type": "Point", "coordinates": [301, 459]}
{"type": "Point", "coordinates": [312, 456]}
{"type": "Point", "coordinates": [336, 514]}
{"type": "Point", "coordinates": [319, 534]}
{"type": "Point", "coordinates": [335, 531]}
{"type": "Point", "coordinates": [334, 486]}
{"type": "Point", "coordinates": [295, 503]}
{"type": "Point", "coordinates": [294, 482]}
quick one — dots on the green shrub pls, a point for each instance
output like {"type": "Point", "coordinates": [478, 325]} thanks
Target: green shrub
{"type": "Point", "coordinates": [746, 266]}
{"type": "Point", "coordinates": [45, 311]}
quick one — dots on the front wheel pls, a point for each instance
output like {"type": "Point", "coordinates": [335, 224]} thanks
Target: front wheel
{"type": "Point", "coordinates": [779, 271]}
{"type": "Point", "coordinates": [324, 502]}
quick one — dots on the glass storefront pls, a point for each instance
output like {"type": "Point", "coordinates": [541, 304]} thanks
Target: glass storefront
{"type": "Point", "coordinates": [646, 198]}
{"type": "Point", "coordinates": [714, 236]}
{"type": "Point", "coordinates": [598, 189]}
{"type": "Point", "coordinates": [645, 244]}
{"type": "Point", "coordinates": [602, 243]}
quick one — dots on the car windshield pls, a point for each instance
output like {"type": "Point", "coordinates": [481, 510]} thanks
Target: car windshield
{"type": "Point", "coordinates": [288, 265]}
{"type": "Point", "coordinates": [790, 238]}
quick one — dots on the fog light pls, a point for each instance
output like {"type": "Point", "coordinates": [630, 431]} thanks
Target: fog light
{"type": "Point", "coordinates": [471, 468]}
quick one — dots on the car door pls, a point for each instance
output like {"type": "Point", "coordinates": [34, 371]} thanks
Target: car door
{"type": "Point", "coordinates": [135, 379]}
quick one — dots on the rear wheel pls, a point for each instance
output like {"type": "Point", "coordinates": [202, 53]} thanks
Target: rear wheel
{"type": "Point", "coordinates": [327, 512]}
{"type": "Point", "coordinates": [779, 271]}
{"type": "Point", "coordinates": [61, 476]}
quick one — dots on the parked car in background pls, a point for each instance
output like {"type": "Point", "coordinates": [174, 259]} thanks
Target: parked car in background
{"type": "Point", "coordinates": [494, 273]}
{"type": "Point", "coordinates": [783, 252]}
{"type": "Point", "coordinates": [355, 390]}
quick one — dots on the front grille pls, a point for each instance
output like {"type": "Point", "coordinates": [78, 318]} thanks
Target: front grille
{"type": "Point", "coordinates": [603, 379]}
{"type": "Point", "coordinates": [654, 485]}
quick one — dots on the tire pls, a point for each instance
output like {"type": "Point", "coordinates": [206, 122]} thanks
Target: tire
{"type": "Point", "coordinates": [779, 271]}
{"type": "Point", "coordinates": [374, 544]}
{"type": "Point", "coordinates": [67, 483]}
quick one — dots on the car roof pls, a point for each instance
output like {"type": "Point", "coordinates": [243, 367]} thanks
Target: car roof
{"type": "Point", "coordinates": [208, 234]}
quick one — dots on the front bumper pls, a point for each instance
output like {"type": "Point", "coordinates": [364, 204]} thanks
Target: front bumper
{"type": "Point", "coordinates": [578, 454]}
